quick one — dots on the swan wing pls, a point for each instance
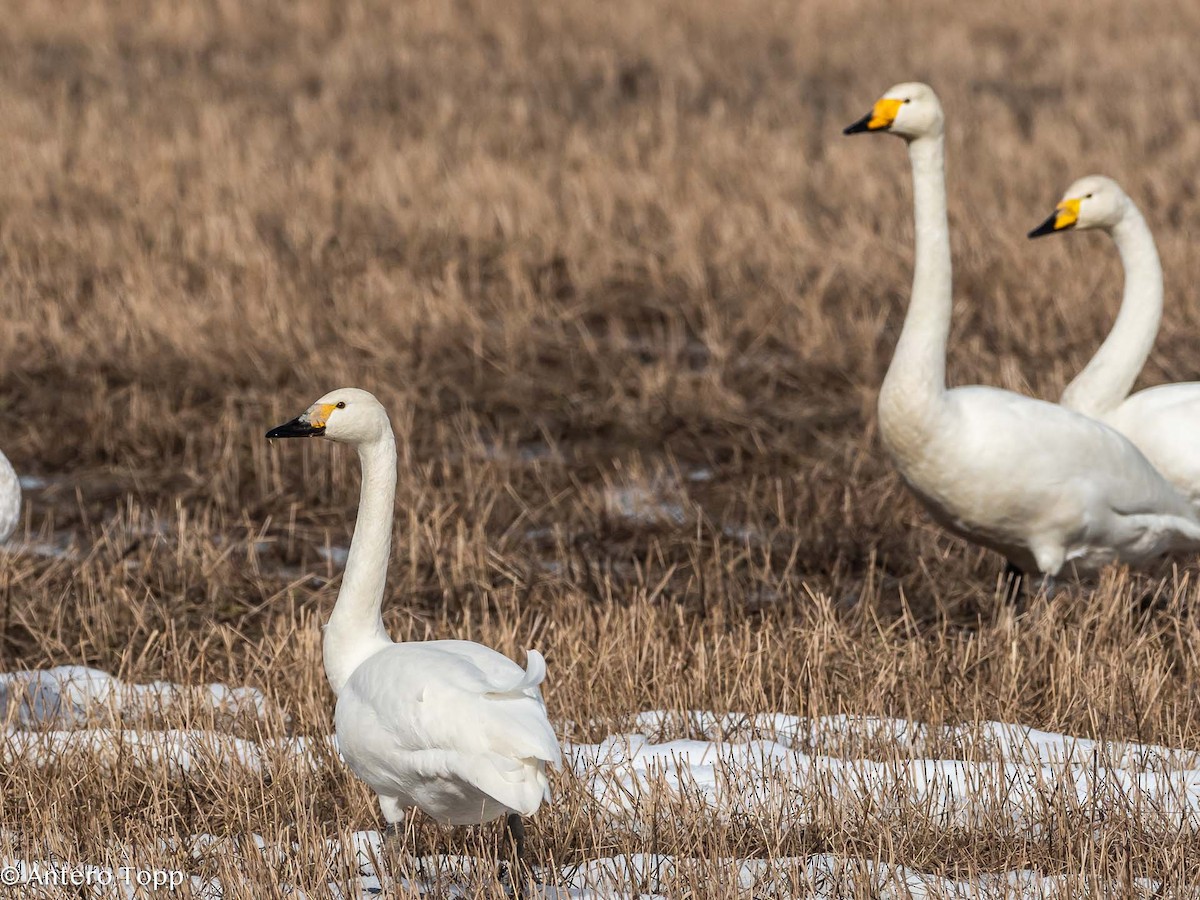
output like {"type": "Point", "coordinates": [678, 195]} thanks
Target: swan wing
{"type": "Point", "coordinates": [1164, 423]}
{"type": "Point", "coordinates": [1043, 484]}
{"type": "Point", "coordinates": [1044, 449]}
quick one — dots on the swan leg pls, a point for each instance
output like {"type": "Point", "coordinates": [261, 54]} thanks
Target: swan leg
{"type": "Point", "coordinates": [393, 813]}
{"type": "Point", "coordinates": [1014, 581]}
{"type": "Point", "coordinates": [393, 836]}
{"type": "Point", "coordinates": [514, 836]}
{"type": "Point", "coordinates": [1017, 587]}
{"type": "Point", "coordinates": [1049, 558]}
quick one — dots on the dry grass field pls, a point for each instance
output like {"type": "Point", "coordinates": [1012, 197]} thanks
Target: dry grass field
{"type": "Point", "coordinates": [629, 294]}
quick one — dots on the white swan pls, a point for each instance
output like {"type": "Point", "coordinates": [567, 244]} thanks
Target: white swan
{"type": "Point", "coordinates": [1164, 421]}
{"type": "Point", "coordinates": [1041, 484]}
{"type": "Point", "coordinates": [452, 728]}
{"type": "Point", "coordinates": [10, 499]}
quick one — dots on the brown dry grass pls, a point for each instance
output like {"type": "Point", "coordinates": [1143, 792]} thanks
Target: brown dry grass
{"type": "Point", "coordinates": [576, 247]}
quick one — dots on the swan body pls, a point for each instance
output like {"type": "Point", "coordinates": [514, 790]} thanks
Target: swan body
{"type": "Point", "coordinates": [1164, 421]}
{"type": "Point", "coordinates": [485, 760]}
{"type": "Point", "coordinates": [10, 499]}
{"type": "Point", "coordinates": [1039, 483]}
{"type": "Point", "coordinates": [452, 728]}
{"type": "Point", "coordinates": [966, 474]}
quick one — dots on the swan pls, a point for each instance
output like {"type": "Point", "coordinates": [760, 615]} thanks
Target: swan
{"type": "Point", "coordinates": [452, 728]}
{"type": "Point", "coordinates": [1163, 422]}
{"type": "Point", "coordinates": [10, 499]}
{"type": "Point", "coordinates": [1041, 484]}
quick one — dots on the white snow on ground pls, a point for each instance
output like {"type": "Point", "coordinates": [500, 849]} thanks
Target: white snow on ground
{"type": "Point", "coordinates": [335, 555]}
{"type": "Point", "coordinates": [992, 774]}
{"type": "Point", "coordinates": [179, 751]}
{"type": "Point", "coordinates": [39, 482]}
{"type": "Point", "coordinates": [1000, 773]}
{"type": "Point", "coordinates": [45, 712]}
{"type": "Point", "coordinates": [641, 505]}
{"type": "Point", "coordinates": [74, 695]}
{"type": "Point", "coordinates": [820, 876]}
{"type": "Point", "coordinates": [1017, 743]}
{"type": "Point", "coordinates": [58, 546]}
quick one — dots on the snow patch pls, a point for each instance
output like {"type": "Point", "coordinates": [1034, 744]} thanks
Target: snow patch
{"type": "Point", "coordinates": [642, 875]}
{"type": "Point", "coordinates": [335, 555]}
{"type": "Point", "coordinates": [641, 505]}
{"type": "Point", "coordinates": [73, 695]}
{"type": "Point", "coordinates": [998, 776]}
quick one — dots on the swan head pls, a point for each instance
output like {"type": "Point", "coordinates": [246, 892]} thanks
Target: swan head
{"type": "Point", "coordinates": [910, 110]}
{"type": "Point", "coordinates": [347, 415]}
{"type": "Point", "coordinates": [1091, 202]}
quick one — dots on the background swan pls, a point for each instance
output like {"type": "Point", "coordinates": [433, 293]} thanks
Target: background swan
{"type": "Point", "coordinates": [1039, 483]}
{"type": "Point", "coordinates": [10, 499]}
{"type": "Point", "coordinates": [450, 727]}
{"type": "Point", "coordinates": [1163, 421]}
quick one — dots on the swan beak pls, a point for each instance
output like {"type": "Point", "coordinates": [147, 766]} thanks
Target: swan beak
{"type": "Point", "coordinates": [301, 426]}
{"type": "Point", "coordinates": [881, 117]}
{"type": "Point", "coordinates": [1065, 215]}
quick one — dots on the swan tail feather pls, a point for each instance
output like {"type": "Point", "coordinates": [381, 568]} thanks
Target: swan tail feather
{"type": "Point", "coordinates": [535, 669]}
{"type": "Point", "coordinates": [527, 733]}
{"type": "Point", "coordinates": [531, 678]}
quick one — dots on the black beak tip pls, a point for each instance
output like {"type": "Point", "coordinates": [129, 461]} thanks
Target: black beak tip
{"type": "Point", "coordinates": [1044, 229]}
{"type": "Point", "coordinates": [859, 126]}
{"type": "Point", "coordinates": [295, 429]}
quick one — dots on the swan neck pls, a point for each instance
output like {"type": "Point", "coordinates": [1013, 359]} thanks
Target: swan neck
{"type": "Point", "coordinates": [915, 383]}
{"type": "Point", "coordinates": [355, 629]}
{"type": "Point", "coordinates": [1109, 376]}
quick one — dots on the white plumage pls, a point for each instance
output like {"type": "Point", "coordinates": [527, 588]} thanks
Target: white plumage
{"type": "Point", "coordinates": [452, 728]}
{"type": "Point", "coordinates": [1041, 484]}
{"type": "Point", "coordinates": [449, 727]}
{"type": "Point", "coordinates": [1164, 421]}
{"type": "Point", "coordinates": [10, 499]}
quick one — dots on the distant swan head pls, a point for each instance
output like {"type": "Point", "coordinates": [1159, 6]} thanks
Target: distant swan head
{"type": "Point", "coordinates": [1091, 202]}
{"type": "Point", "coordinates": [910, 110]}
{"type": "Point", "coordinates": [347, 415]}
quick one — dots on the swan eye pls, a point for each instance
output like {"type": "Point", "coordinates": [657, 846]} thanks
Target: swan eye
{"type": "Point", "coordinates": [1087, 196]}
{"type": "Point", "coordinates": [341, 404]}
{"type": "Point", "coordinates": [908, 99]}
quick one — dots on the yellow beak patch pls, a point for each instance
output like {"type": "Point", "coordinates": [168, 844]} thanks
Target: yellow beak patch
{"type": "Point", "coordinates": [320, 414]}
{"type": "Point", "coordinates": [884, 113]}
{"type": "Point", "coordinates": [1066, 214]}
